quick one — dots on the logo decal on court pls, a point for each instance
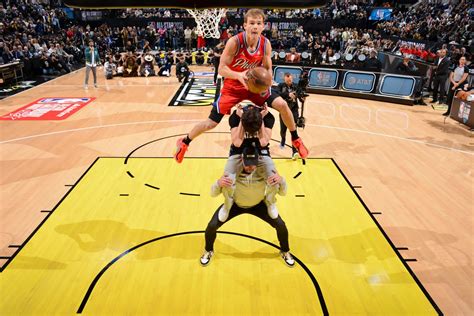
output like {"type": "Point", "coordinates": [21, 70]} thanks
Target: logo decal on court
{"type": "Point", "coordinates": [198, 91]}
{"type": "Point", "coordinates": [48, 109]}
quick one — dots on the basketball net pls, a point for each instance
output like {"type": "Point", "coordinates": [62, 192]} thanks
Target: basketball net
{"type": "Point", "coordinates": [207, 21]}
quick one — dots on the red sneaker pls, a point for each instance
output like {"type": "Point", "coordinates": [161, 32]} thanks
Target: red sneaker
{"type": "Point", "coordinates": [181, 149]}
{"type": "Point", "coordinates": [302, 150]}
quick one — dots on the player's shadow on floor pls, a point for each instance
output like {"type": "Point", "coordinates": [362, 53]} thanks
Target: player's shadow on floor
{"type": "Point", "coordinates": [100, 235]}
{"type": "Point", "coordinates": [36, 263]}
{"type": "Point", "coordinates": [356, 248]}
{"type": "Point", "coordinates": [259, 254]}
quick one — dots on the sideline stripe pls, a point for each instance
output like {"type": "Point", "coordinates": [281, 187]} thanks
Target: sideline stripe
{"type": "Point", "coordinates": [420, 285]}
{"type": "Point", "coordinates": [47, 216]}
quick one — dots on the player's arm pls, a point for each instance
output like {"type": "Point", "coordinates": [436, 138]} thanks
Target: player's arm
{"type": "Point", "coordinates": [216, 189]}
{"type": "Point", "coordinates": [265, 132]}
{"type": "Point", "coordinates": [264, 135]}
{"type": "Point", "coordinates": [225, 181]}
{"type": "Point", "coordinates": [267, 59]}
{"type": "Point", "coordinates": [283, 189]}
{"type": "Point", "coordinates": [237, 131]}
{"type": "Point", "coordinates": [276, 179]}
{"type": "Point", "coordinates": [226, 59]}
{"type": "Point", "coordinates": [237, 135]}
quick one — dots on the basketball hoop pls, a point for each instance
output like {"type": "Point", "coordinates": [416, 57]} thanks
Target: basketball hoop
{"type": "Point", "coordinates": [207, 21]}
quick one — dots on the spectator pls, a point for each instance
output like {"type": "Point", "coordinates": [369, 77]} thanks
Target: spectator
{"type": "Point", "coordinates": [217, 59]}
{"type": "Point", "coordinates": [293, 56]}
{"type": "Point", "coordinates": [372, 63]}
{"type": "Point", "coordinates": [182, 70]}
{"type": "Point", "coordinates": [110, 68]}
{"type": "Point", "coordinates": [441, 73]}
{"type": "Point", "coordinates": [92, 60]}
{"type": "Point", "coordinates": [406, 66]}
{"type": "Point", "coordinates": [457, 78]}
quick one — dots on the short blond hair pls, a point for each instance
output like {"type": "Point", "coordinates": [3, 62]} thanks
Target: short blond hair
{"type": "Point", "coordinates": [254, 13]}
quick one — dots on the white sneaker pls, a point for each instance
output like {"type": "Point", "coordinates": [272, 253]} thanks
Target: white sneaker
{"type": "Point", "coordinates": [86, 87]}
{"type": "Point", "coordinates": [206, 257]}
{"type": "Point", "coordinates": [223, 214]}
{"type": "Point", "coordinates": [288, 258]}
{"type": "Point", "coordinates": [282, 146]}
{"type": "Point", "coordinates": [272, 211]}
{"type": "Point", "coordinates": [295, 156]}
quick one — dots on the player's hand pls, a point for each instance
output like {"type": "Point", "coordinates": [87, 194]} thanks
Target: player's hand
{"type": "Point", "coordinates": [240, 110]}
{"type": "Point", "coordinates": [242, 77]}
{"type": "Point", "coordinates": [274, 179]}
{"type": "Point", "coordinates": [225, 181]}
{"type": "Point", "coordinates": [292, 95]}
{"type": "Point", "coordinates": [264, 110]}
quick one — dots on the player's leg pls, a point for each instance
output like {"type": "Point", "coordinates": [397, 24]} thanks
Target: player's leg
{"type": "Point", "coordinates": [183, 143]}
{"type": "Point", "coordinates": [274, 100]}
{"type": "Point", "coordinates": [232, 168]}
{"type": "Point", "coordinates": [94, 74]}
{"type": "Point", "coordinates": [282, 231]}
{"type": "Point", "coordinates": [211, 233]}
{"type": "Point", "coordinates": [281, 106]}
{"type": "Point", "coordinates": [283, 129]}
{"type": "Point", "coordinates": [266, 167]}
{"type": "Point", "coordinates": [295, 154]}
{"type": "Point", "coordinates": [86, 80]}
{"type": "Point", "coordinates": [221, 107]}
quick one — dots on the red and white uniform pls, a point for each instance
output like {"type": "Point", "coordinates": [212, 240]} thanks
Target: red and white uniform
{"type": "Point", "coordinates": [233, 92]}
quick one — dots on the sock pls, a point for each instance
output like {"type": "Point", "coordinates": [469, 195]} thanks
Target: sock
{"type": "Point", "coordinates": [294, 135]}
{"type": "Point", "coordinates": [187, 140]}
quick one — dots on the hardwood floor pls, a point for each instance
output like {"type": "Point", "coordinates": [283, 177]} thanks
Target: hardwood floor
{"type": "Point", "coordinates": [413, 167]}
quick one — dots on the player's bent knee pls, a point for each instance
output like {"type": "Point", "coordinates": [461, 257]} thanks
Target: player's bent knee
{"type": "Point", "coordinates": [279, 104]}
{"type": "Point", "coordinates": [211, 228]}
{"type": "Point", "coordinates": [278, 222]}
{"type": "Point", "coordinates": [210, 124]}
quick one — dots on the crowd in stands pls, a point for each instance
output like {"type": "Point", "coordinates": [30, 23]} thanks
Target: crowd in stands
{"type": "Point", "coordinates": [49, 43]}
{"type": "Point", "coordinates": [348, 9]}
{"type": "Point", "coordinates": [436, 22]}
{"type": "Point", "coordinates": [38, 36]}
{"type": "Point", "coordinates": [152, 13]}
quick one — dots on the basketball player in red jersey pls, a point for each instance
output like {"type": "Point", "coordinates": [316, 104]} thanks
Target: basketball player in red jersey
{"type": "Point", "coordinates": [242, 52]}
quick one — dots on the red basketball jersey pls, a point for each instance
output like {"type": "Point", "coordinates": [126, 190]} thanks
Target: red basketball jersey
{"type": "Point", "coordinates": [245, 59]}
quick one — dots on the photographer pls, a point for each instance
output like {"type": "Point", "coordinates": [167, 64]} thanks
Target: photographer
{"type": "Point", "coordinates": [408, 67]}
{"type": "Point", "coordinates": [288, 91]}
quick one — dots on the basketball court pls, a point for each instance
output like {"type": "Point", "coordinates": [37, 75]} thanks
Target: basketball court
{"type": "Point", "coordinates": [98, 218]}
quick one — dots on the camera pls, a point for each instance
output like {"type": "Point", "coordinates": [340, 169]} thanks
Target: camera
{"type": "Point", "coordinates": [301, 95]}
{"type": "Point", "coordinates": [301, 122]}
{"type": "Point", "coordinates": [302, 85]}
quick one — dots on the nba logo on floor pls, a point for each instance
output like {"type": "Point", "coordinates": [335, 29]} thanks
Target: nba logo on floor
{"type": "Point", "coordinates": [48, 109]}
